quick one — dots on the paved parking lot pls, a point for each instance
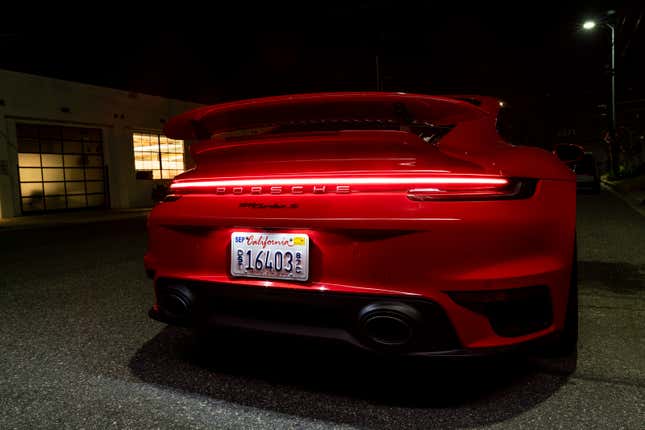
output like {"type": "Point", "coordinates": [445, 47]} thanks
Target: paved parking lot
{"type": "Point", "coordinates": [77, 350]}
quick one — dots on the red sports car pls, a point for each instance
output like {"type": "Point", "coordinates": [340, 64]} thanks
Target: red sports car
{"type": "Point", "coordinates": [400, 223]}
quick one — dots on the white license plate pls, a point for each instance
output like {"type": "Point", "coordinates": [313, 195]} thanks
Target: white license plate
{"type": "Point", "coordinates": [270, 255]}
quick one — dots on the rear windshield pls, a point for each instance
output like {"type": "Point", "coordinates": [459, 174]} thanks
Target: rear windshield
{"type": "Point", "coordinates": [428, 132]}
{"type": "Point", "coordinates": [521, 127]}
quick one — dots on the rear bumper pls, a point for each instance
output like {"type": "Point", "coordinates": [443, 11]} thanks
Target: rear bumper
{"type": "Point", "coordinates": [335, 316]}
{"type": "Point", "coordinates": [436, 253]}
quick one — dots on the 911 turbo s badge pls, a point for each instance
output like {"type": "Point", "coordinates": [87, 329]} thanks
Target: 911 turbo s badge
{"type": "Point", "coordinates": [254, 205]}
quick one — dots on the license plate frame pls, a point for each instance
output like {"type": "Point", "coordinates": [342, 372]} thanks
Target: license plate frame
{"type": "Point", "coordinates": [276, 249]}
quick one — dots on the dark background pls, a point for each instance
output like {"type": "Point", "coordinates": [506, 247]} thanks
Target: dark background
{"type": "Point", "coordinates": [535, 56]}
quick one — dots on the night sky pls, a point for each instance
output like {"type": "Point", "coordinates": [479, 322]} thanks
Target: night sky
{"type": "Point", "coordinates": [536, 53]}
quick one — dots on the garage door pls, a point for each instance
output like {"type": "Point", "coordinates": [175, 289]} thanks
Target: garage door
{"type": "Point", "coordinates": [60, 168]}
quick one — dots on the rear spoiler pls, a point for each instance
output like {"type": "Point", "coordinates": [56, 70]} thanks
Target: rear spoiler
{"type": "Point", "coordinates": [402, 108]}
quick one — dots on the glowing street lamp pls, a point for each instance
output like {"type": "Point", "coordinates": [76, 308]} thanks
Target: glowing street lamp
{"type": "Point", "coordinates": [588, 26]}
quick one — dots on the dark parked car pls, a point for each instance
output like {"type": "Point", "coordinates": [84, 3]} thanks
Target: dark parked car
{"type": "Point", "coordinates": [582, 163]}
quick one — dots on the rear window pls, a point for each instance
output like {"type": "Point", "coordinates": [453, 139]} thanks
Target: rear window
{"type": "Point", "coordinates": [520, 127]}
{"type": "Point", "coordinates": [428, 132]}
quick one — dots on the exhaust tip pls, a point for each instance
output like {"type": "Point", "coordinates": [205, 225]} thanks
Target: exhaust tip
{"type": "Point", "coordinates": [176, 302]}
{"type": "Point", "coordinates": [388, 325]}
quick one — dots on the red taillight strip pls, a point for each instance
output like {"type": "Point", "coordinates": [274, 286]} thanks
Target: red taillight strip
{"type": "Point", "coordinates": [516, 188]}
{"type": "Point", "coordinates": [445, 180]}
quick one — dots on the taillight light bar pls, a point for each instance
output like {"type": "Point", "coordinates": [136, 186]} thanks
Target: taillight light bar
{"type": "Point", "coordinates": [447, 180]}
{"type": "Point", "coordinates": [419, 188]}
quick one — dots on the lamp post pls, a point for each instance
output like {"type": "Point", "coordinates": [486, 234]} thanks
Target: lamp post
{"type": "Point", "coordinates": [613, 156]}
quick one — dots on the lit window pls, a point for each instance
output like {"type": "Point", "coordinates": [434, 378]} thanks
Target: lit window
{"type": "Point", "coordinates": [156, 156]}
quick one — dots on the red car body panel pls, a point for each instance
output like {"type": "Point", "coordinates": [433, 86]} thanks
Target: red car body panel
{"type": "Point", "coordinates": [370, 234]}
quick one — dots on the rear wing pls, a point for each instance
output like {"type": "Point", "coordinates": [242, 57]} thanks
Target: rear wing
{"type": "Point", "coordinates": [344, 108]}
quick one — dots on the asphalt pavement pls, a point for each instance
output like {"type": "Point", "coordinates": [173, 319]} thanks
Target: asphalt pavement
{"type": "Point", "coordinates": [77, 350]}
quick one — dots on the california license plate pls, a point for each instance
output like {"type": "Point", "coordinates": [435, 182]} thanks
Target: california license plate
{"type": "Point", "coordinates": [270, 255]}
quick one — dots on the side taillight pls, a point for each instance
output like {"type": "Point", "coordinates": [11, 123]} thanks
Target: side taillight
{"type": "Point", "coordinates": [514, 188]}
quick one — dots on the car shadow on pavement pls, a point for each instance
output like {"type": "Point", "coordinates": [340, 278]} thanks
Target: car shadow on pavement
{"type": "Point", "coordinates": [622, 278]}
{"type": "Point", "coordinates": [332, 382]}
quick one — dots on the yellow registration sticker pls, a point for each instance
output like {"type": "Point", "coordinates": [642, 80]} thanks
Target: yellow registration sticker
{"type": "Point", "coordinates": [299, 240]}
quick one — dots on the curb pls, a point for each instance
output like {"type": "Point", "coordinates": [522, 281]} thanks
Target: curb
{"type": "Point", "coordinates": [632, 204]}
{"type": "Point", "coordinates": [28, 225]}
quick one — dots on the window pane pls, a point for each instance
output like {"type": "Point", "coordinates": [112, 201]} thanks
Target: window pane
{"type": "Point", "coordinates": [96, 200]}
{"type": "Point", "coordinates": [35, 204]}
{"type": "Point", "coordinates": [169, 174]}
{"type": "Point", "coordinates": [51, 160]}
{"type": "Point", "coordinates": [55, 202]}
{"type": "Point", "coordinates": [50, 132]}
{"type": "Point", "coordinates": [168, 147]}
{"type": "Point", "coordinates": [156, 174]}
{"type": "Point", "coordinates": [72, 133]}
{"type": "Point", "coordinates": [75, 187]}
{"type": "Point", "coordinates": [76, 201]}
{"type": "Point", "coordinates": [31, 190]}
{"type": "Point", "coordinates": [27, 130]}
{"type": "Point", "coordinates": [74, 160]}
{"type": "Point", "coordinates": [53, 175]}
{"type": "Point", "coordinates": [54, 188]}
{"type": "Point", "coordinates": [94, 174]}
{"type": "Point", "coordinates": [94, 160]}
{"type": "Point", "coordinates": [29, 160]}
{"type": "Point", "coordinates": [92, 148]}
{"type": "Point", "coordinates": [140, 140]}
{"type": "Point", "coordinates": [95, 187]}
{"type": "Point", "coordinates": [172, 161]}
{"type": "Point", "coordinates": [151, 160]}
{"type": "Point", "coordinates": [74, 174]}
{"type": "Point", "coordinates": [71, 147]}
{"type": "Point", "coordinates": [30, 174]}
{"type": "Point", "coordinates": [28, 145]}
{"type": "Point", "coordinates": [50, 147]}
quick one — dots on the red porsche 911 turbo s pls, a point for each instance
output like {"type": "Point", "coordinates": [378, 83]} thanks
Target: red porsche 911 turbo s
{"type": "Point", "coordinates": [399, 223]}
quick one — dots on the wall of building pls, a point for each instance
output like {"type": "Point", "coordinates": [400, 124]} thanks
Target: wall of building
{"type": "Point", "coordinates": [35, 99]}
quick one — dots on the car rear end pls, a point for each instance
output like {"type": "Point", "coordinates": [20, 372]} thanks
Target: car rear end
{"type": "Point", "coordinates": [384, 237]}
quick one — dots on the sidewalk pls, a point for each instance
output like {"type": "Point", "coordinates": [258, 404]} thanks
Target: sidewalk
{"type": "Point", "coordinates": [68, 218]}
{"type": "Point", "coordinates": [632, 191]}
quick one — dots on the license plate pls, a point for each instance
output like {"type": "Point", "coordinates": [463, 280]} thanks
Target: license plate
{"type": "Point", "coordinates": [270, 255]}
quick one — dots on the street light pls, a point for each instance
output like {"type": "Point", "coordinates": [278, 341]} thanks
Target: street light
{"type": "Point", "coordinates": [590, 25]}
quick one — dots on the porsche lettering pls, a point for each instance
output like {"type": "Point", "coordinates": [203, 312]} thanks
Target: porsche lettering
{"type": "Point", "coordinates": [291, 189]}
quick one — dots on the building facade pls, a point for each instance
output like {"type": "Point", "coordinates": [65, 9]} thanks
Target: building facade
{"type": "Point", "coordinates": [68, 146]}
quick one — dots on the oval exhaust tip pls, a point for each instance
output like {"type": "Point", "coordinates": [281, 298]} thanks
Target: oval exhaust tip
{"type": "Point", "coordinates": [176, 302]}
{"type": "Point", "coordinates": [387, 330]}
{"type": "Point", "coordinates": [388, 324]}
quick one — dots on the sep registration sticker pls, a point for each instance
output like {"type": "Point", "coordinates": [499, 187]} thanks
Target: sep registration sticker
{"type": "Point", "coordinates": [282, 256]}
